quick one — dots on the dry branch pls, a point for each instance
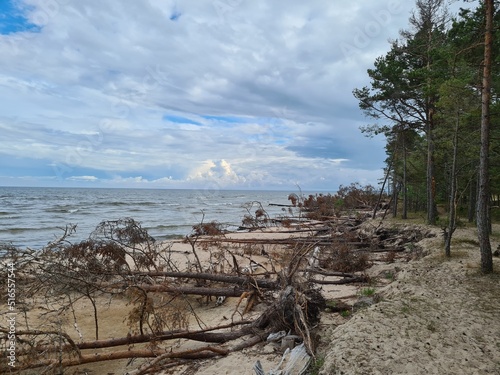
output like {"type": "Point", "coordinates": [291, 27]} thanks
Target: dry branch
{"type": "Point", "coordinates": [222, 278]}
{"type": "Point", "coordinates": [204, 335]}
{"type": "Point", "coordinates": [330, 273]}
{"type": "Point", "coordinates": [200, 353]}
{"type": "Point", "coordinates": [193, 290]}
{"type": "Point", "coordinates": [348, 280]}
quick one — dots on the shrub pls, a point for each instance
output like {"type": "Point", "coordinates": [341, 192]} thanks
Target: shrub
{"type": "Point", "coordinates": [321, 206]}
{"type": "Point", "coordinates": [343, 259]}
{"type": "Point", "coordinates": [261, 218]}
{"type": "Point", "coordinates": [357, 196]}
{"type": "Point", "coordinates": [212, 228]}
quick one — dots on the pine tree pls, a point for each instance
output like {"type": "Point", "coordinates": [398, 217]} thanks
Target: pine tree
{"type": "Point", "coordinates": [483, 203]}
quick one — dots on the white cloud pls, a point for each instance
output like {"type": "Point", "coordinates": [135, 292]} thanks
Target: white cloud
{"type": "Point", "coordinates": [219, 171]}
{"type": "Point", "coordinates": [83, 178]}
{"type": "Point", "coordinates": [264, 89]}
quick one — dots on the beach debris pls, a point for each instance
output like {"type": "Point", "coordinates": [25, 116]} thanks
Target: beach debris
{"type": "Point", "coordinates": [276, 336]}
{"type": "Point", "coordinates": [288, 342]}
{"type": "Point", "coordinates": [251, 268]}
{"type": "Point", "coordinates": [220, 300]}
{"type": "Point", "coordinates": [293, 362]}
{"type": "Point", "coordinates": [313, 260]}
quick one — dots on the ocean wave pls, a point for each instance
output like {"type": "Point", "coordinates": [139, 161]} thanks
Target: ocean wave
{"type": "Point", "coordinates": [129, 203]}
{"type": "Point", "coordinates": [33, 216]}
{"type": "Point", "coordinates": [114, 203]}
{"type": "Point", "coordinates": [218, 204]}
{"type": "Point", "coordinates": [169, 226]}
{"type": "Point", "coordinates": [62, 210]}
{"type": "Point", "coordinates": [137, 209]}
{"type": "Point", "coordinates": [170, 237]}
{"type": "Point", "coordinates": [17, 230]}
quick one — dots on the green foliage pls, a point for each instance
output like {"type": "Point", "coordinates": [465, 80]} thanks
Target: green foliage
{"type": "Point", "coordinates": [316, 365]}
{"type": "Point", "coordinates": [346, 313]}
{"type": "Point", "coordinates": [495, 214]}
{"type": "Point", "coordinates": [331, 303]}
{"type": "Point", "coordinates": [367, 292]}
{"type": "Point", "coordinates": [422, 93]}
{"type": "Point", "coordinates": [389, 275]}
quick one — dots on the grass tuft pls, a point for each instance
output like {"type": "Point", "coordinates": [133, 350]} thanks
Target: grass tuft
{"type": "Point", "coordinates": [367, 292]}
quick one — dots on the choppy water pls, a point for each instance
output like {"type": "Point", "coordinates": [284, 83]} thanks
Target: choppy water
{"type": "Point", "coordinates": [34, 216]}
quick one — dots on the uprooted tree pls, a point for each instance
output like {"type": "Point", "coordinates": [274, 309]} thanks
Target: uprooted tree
{"type": "Point", "coordinates": [162, 288]}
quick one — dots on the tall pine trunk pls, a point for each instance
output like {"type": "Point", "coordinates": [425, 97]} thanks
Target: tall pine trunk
{"type": "Point", "coordinates": [483, 201]}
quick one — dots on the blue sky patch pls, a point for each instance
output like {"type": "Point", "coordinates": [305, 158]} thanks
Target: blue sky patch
{"type": "Point", "coordinates": [175, 15]}
{"type": "Point", "coordinates": [179, 120]}
{"type": "Point", "coordinates": [12, 19]}
{"type": "Point", "coordinates": [233, 119]}
{"type": "Point", "coordinates": [24, 166]}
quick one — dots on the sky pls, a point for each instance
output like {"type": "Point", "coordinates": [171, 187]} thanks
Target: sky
{"type": "Point", "coordinates": [202, 94]}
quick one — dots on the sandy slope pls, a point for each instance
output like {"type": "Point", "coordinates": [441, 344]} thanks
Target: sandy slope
{"type": "Point", "coordinates": [438, 317]}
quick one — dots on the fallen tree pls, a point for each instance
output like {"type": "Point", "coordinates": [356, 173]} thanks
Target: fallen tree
{"type": "Point", "coordinates": [120, 260]}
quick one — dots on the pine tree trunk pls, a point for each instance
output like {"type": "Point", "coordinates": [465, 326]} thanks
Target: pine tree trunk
{"type": "Point", "coordinates": [483, 203]}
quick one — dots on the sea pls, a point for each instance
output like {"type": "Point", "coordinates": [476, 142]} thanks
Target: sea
{"type": "Point", "coordinates": [33, 217]}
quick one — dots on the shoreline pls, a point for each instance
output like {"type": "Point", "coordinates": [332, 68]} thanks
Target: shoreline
{"type": "Point", "coordinates": [347, 341]}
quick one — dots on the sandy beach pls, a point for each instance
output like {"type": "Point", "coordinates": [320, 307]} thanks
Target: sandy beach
{"type": "Point", "coordinates": [435, 316]}
{"type": "Point", "coordinates": [432, 315]}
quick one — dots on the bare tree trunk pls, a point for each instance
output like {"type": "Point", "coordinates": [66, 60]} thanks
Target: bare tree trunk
{"type": "Point", "coordinates": [198, 353]}
{"type": "Point", "coordinates": [96, 319]}
{"type": "Point", "coordinates": [452, 212]}
{"type": "Point", "coordinates": [375, 209]}
{"type": "Point", "coordinates": [471, 209]}
{"type": "Point", "coordinates": [431, 183]}
{"type": "Point", "coordinates": [405, 188]}
{"type": "Point", "coordinates": [483, 203]}
{"type": "Point", "coordinates": [204, 335]}
{"type": "Point", "coordinates": [395, 194]}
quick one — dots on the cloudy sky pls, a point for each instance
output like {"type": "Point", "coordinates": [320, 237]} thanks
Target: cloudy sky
{"type": "Point", "coordinates": [232, 94]}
